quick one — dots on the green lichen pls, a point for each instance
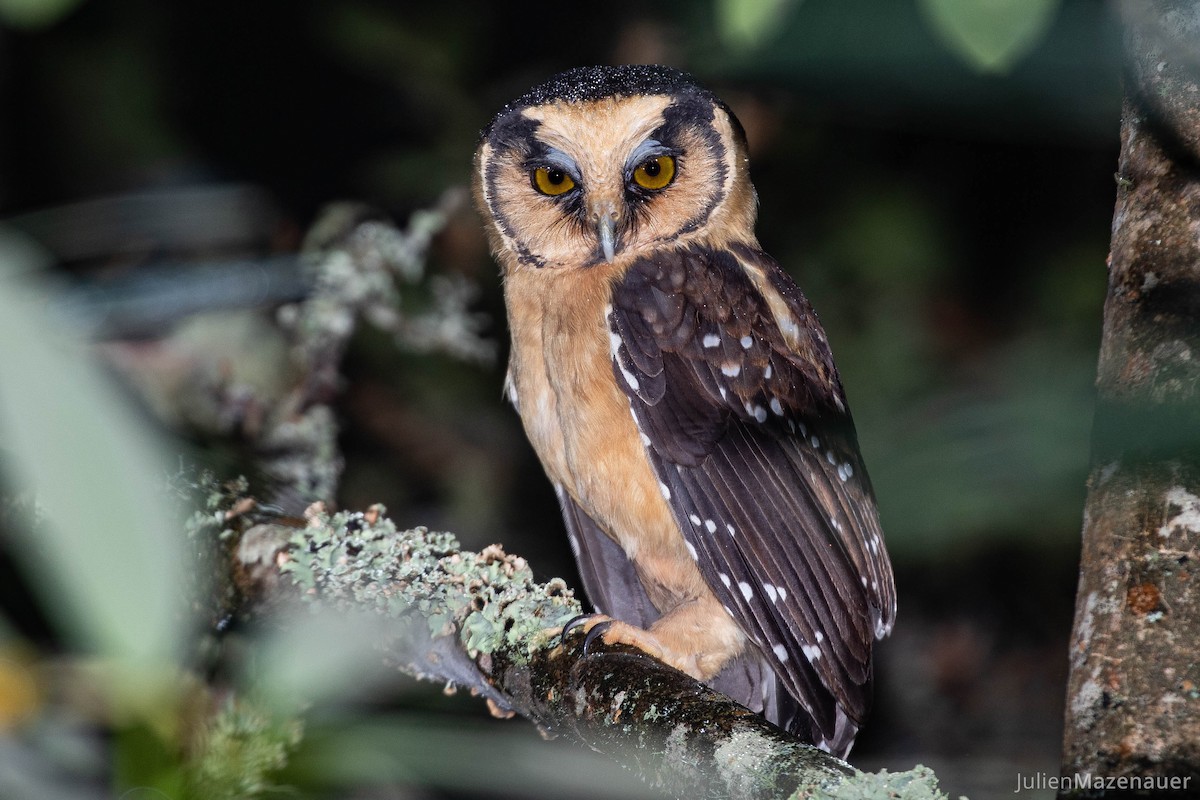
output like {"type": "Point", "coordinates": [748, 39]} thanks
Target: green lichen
{"type": "Point", "coordinates": [489, 599]}
{"type": "Point", "coordinates": [240, 753]}
{"type": "Point", "coordinates": [918, 783]}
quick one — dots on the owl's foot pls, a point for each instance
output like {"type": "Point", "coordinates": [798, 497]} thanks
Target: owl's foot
{"type": "Point", "coordinates": [612, 631]}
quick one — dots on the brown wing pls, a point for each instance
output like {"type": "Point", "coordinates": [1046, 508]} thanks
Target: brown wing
{"type": "Point", "coordinates": [609, 579]}
{"type": "Point", "coordinates": [751, 436]}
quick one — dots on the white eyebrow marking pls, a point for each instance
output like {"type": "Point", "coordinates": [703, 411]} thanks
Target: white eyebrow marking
{"type": "Point", "coordinates": [647, 149]}
{"type": "Point", "coordinates": [559, 160]}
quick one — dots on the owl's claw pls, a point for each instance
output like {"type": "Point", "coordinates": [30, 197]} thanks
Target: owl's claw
{"type": "Point", "coordinates": [596, 631]}
{"type": "Point", "coordinates": [572, 623]}
{"type": "Point", "coordinates": [611, 631]}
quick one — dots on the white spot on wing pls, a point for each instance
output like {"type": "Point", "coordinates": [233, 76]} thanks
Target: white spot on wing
{"type": "Point", "coordinates": [811, 652]}
{"type": "Point", "coordinates": [645, 439]}
{"type": "Point", "coordinates": [747, 591]}
{"type": "Point", "coordinates": [772, 592]}
{"type": "Point", "coordinates": [692, 551]}
{"type": "Point", "coordinates": [767, 373]}
{"type": "Point", "coordinates": [776, 406]}
{"type": "Point", "coordinates": [725, 580]}
{"type": "Point", "coordinates": [730, 528]}
{"type": "Point", "coordinates": [694, 520]}
{"type": "Point", "coordinates": [627, 375]}
{"type": "Point", "coordinates": [747, 342]}
{"type": "Point", "coordinates": [731, 370]}
{"type": "Point", "coordinates": [710, 526]}
{"type": "Point", "coordinates": [780, 652]}
{"type": "Point", "coordinates": [711, 340]}
{"type": "Point", "coordinates": [614, 347]}
{"type": "Point", "coordinates": [782, 592]}
{"type": "Point", "coordinates": [666, 490]}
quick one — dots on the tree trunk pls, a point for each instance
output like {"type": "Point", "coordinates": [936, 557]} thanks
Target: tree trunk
{"type": "Point", "coordinates": [1133, 700]}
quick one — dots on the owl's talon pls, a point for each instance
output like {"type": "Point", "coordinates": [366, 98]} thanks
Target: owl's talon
{"type": "Point", "coordinates": [572, 623]}
{"type": "Point", "coordinates": [597, 630]}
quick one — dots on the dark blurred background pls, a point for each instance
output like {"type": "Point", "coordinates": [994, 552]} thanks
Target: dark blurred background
{"type": "Point", "coordinates": [941, 187]}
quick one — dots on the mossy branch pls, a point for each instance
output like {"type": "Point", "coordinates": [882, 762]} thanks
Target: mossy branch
{"type": "Point", "coordinates": [481, 622]}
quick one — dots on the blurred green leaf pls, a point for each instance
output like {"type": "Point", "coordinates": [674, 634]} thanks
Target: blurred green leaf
{"type": "Point", "coordinates": [746, 24]}
{"type": "Point", "coordinates": [990, 35]}
{"type": "Point", "coordinates": [107, 556]}
{"type": "Point", "coordinates": [35, 14]}
{"type": "Point", "coordinates": [322, 656]}
{"type": "Point", "coordinates": [423, 750]}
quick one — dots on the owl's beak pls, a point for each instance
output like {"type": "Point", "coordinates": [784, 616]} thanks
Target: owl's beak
{"type": "Point", "coordinates": [605, 218]}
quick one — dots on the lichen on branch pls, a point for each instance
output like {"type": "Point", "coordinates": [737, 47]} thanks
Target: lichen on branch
{"type": "Point", "coordinates": [481, 622]}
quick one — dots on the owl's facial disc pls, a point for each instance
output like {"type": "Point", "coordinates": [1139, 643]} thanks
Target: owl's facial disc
{"type": "Point", "coordinates": [592, 182]}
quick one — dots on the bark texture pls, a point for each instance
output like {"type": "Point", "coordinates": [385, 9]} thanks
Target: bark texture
{"type": "Point", "coordinates": [1133, 702]}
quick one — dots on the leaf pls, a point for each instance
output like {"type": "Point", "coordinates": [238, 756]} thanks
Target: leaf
{"type": "Point", "coordinates": [747, 24]}
{"type": "Point", "coordinates": [990, 35]}
{"type": "Point", "coordinates": [321, 656]}
{"type": "Point", "coordinates": [108, 560]}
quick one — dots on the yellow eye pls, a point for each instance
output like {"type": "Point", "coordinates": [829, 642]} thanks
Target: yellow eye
{"type": "Point", "coordinates": [551, 181]}
{"type": "Point", "coordinates": [655, 173]}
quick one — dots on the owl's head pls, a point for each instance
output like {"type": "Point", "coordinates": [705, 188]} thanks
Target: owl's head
{"type": "Point", "coordinates": [601, 164]}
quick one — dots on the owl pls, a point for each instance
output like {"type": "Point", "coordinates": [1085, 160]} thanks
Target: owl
{"type": "Point", "coordinates": [681, 395]}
